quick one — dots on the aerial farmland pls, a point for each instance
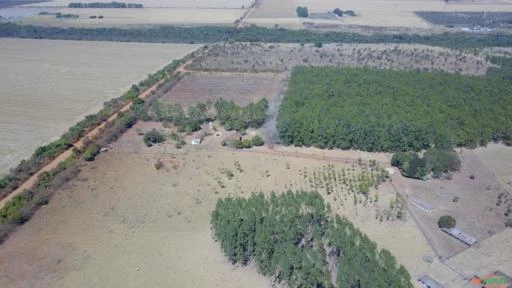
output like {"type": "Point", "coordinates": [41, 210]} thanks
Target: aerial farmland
{"type": "Point", "coordinates": [366, 144]}
{"type": "Point", "coordinates": [62, 82]}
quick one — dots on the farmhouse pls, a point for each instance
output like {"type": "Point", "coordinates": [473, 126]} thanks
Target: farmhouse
{"type": "Point", "coordinates": [423, 206]}
{"type": "Point", "coordinates": [456, 233]}
{"type": "Point", "coordinates": [427, 282]}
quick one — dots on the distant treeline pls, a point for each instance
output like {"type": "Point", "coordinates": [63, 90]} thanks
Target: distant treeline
{"type": "Point", "coordinates": [104, 5]}
{"type": "Point", "coordinates": [209, 34]}
{"type": "Point", "coordinates": [294, 238]}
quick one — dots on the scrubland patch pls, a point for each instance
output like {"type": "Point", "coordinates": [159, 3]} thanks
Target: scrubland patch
{"type": "Point", "coordinates": [244, 57]}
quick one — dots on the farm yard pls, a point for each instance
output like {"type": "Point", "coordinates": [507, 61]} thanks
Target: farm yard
{"type": "Point", "coordinates": [370, 13]}
{"type": "Point", "coordinates": [471, 197]}
{"type": "Point", "coordinates": [241, 88]}
{"type": "Point", "coordinates": [48, 90]}
{"type": "Point", "coordinates": [257, 57]}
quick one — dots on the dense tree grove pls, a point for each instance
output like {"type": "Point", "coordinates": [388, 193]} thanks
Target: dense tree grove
{"type": "Point", "coordinates": [210, 34]}
{"type": "Point", "coordinates": [294, 238]}
{"type": "Point", "coordinates": [234, 117]}
{"type": "Point", "coordinates": [386, 110]}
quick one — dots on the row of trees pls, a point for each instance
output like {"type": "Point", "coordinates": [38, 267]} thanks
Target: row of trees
{"type": "Point", "coordinates": [434, 162]}
{"type": "Point", "coordinates": [230, 115]}
{"type": "Point", "coordinates": [211, 34]}
{"type": "Point", "coordinates": [104, 5]}
{"type": "Point", "coordinates": [294, 238]}
{"type": "Point", "coordinates": [386, 110]}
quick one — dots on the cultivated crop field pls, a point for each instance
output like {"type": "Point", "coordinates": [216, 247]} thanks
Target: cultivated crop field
{"type": "Point", "coordinates": [389, 13]}
{"type": "Point", "coordinates": [245, 57]}
{"type": "Point", "coordinates": [163, 3]}
{"type": "Point", "coordinates": [47, 91]}
{"type": "Point", "coordinates": [137, 17]}
{"type": "Point", "coordinates": [241, 88]}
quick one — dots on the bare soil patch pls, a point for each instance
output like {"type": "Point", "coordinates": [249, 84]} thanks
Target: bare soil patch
{"type": "Point", "coordinates": [241, 88]}
{"type": "Point", "coordinates": [256, 57]}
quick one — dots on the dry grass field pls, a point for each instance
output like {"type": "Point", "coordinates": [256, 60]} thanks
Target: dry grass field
{"type": "Point", "coordinates": [48, 85]}
{"type": "Point", "coordinates": [498, 159]}
{"type": "Point", "coordinates": [472, 202]}
{"type": "Point", "coordinates": [122, 223]}
{"type": "Point", "coordinates": [162, 3]}
{"type": "Point", "coordinates": [138, 17]}
{"type": "Point", "coordinates": [241, 88]}
{"type": "Point", "coordinates": [244, 57]}
{"type": "Point", "coordinates": [380, 13]}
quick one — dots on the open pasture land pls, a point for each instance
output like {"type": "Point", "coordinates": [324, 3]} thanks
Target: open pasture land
{"type": "Point", "coordinates": [121, 223]}
{"type": "Point", "coordinates": [220, 4]}
{"type": "Point", "coordinates": [498, 159]}
{"type": "Point", "coordinates": [137, 17]}
{"type": "Point", "coordinates": [256, 57]}
{"type": "Point", "coordinates": [472, 202]}
{"type": "Point", "coordinates": [49, 85]}
{"type": "Point", "coordinates": [241, 88]}
{"type": "Point", "coordinates": [389, 13]}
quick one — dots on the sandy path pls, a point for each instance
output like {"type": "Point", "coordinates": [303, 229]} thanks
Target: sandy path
{"type": "Point", "coordinates": [80, 143]}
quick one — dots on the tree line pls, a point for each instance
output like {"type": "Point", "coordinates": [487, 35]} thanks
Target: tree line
{"type": "Point", "coordinates": [387, 110]}
{"type": "Point", "coordinates": [230, 115]}
{"type": "Point", "coordinates": [210, 34]}
{"type": "Point", "coordinates": [294, 238]}
{"type": "Point", "coordinates": [112, 4]}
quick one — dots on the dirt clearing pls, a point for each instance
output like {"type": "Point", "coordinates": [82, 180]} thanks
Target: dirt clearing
{"type": "Point", "coordinates": [241, 88]}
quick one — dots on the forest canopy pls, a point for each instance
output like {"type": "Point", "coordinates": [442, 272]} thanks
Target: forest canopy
{"type": "Point", "coordinates": [388, 110]}
{"type": "Point", "coordinates": [294, 238]}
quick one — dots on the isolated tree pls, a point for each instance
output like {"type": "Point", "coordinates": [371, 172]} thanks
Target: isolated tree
{"type": "Point", "coordinates": [446, 221]}
{"type": "Point", "coordinates": [302, 12]}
